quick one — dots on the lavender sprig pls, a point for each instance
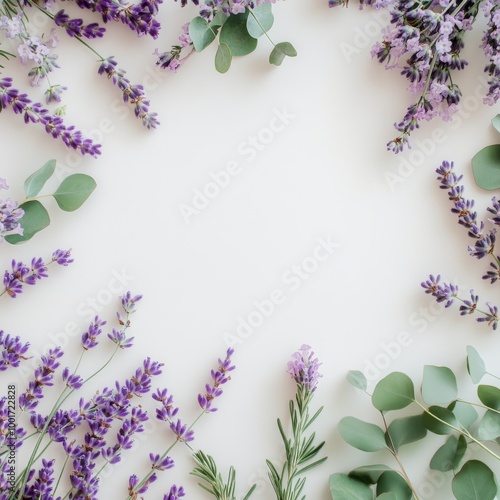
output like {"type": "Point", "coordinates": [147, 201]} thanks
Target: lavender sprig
{"type": "Point", "coordinates": [22, 274]}
{"type": "Point", "coordinates": [183, 433]}
{"type": "Point", "coordinates": [299, 449]}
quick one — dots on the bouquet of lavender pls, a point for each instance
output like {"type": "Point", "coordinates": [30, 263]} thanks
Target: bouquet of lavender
{"type": "Point", "coordinates": [424, 43]}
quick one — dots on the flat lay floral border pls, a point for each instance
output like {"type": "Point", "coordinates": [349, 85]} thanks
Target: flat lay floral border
{"type": "Point", "coordinates": [424, 42]}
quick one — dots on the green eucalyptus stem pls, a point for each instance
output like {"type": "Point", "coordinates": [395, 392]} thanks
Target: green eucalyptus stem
{"type": "Point", "coordinates": [394, 453]}
{"type": "Point", "coordinates": [479, 405]}
{"type": "Point", "coordinates": [464, 432]}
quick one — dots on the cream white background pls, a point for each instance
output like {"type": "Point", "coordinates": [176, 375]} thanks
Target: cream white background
{"type": "Point", "coordinates": [326, 175]}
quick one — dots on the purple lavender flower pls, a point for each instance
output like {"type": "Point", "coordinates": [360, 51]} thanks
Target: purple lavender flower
{"type": "Point", "coordinates": [89, 337]}
{"type": "Point", "coordinates": [133, 485]}
{"type": "Point", "coordinates": [120, 339]}
{"type": "Point", "coordinates": [73, 381]}
{"type": "Point", "coordinates": [130, 93]}
{"type": "Point", "coordinates": [13, 351]}
{"type": "Point", "coordinates": [160, 463]}
{"type": "Point", "coordinates": [304, 369]}
{"type": "Point", "coordinates": [174, 493]}
{"type": "Point", "coordinates": [43, 377]}
{"type": "Point", "coordinates": [62, 257]}
{"type": "Point", "coordinates": [447, 292]}
{"type": "Point", "coordinates": [54, 125]}
{"type": "Point", "coordinates": [85, 484]}
{"type": "Point", "coordinates": [42, 482]}
{"type": "Point", "coordinates": [469, 306]}
{"type": "Point", "coordinates": [219, 377]}
{"type": "Point", "coordinates": [10, 214]}
{"type": "Point", "coordinates": [167, 410]}
{"type": "Point", "coordinates": [181, 431]}
{"type": "Point", "coordinates": [76, 27]}
{"type": "Point", "coordinates": [491, 317]}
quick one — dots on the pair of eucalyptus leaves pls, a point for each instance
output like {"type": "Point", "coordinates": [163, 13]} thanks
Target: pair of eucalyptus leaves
{"type": "Point", "coordinates": [471, 427]}
{"type": "Point", "coordinates": [70, 195]}
{"type": "Point", "coordinates": [238, 35]}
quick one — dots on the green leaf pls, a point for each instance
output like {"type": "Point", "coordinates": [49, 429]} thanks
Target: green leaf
{"type": "Point", "coordinates": [201, 33]}
{"type": "Point", "coordinates": [496, 123]}
{"type": "Point", "coordinates": [219, 19]}
{"type": "Point", "coordinates": [260, 20]}
{"type": "Point", "coordinates": [387, 496]}
{"type": "Point", "coordinates": [475, 364]}
{"type": "Point", "coordinates": [392, 482]}
{"type": "Point", "coordinates": [357, 379]}
{"type": "Point", "coordinates": [343, 487]}
{"type": "Point", "coordinates": [439, 385]}
{"type": "Point", "coordinates": [438, 419]}
{"type": "Point", "coordinates": [406, 430]}
{"type": "Point", "coordinates": [486, 167]}
{"type": "Point", "coordinates": [362, 435]}
{"type": "Point", "coordinates": [74, 191]}
{"type": "Point", "coordinates": [35, 219]}
{"type": "Point", "coordinates": [475, 481]}
{"type": "Point", "coordinates": [489, 428]}
{"type": "Point", "coordinates": [489, 396]}
{"type": "Point", "coordinates": [465, 413]}
{"type": "Point", "coordinates": [369, 473]}
{"type": "Point", "coordinates": [35, 182]}
{"type": "Point", "coordinates": [393, 392]}
{"type": "Point", "coordinates": [448, 456]}
{"type": "Point", "coordinates": [279, 52]}
{"type": "Point", "coordinates": [223, 58]}
{"type": "Point", "coordinates": [235, 35]}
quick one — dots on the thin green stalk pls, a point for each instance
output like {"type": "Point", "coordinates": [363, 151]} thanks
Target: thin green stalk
{"type": "Point", "coordinates": [463, 432]}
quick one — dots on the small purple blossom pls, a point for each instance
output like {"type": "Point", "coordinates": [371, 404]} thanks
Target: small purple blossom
{"type": "Point", "coordinates": [73, 381]}
{"type": "Point", "coordinates": [89, 337]}
{"type": "Point", "coordinates": [181, 431]}
{"type": "Point", "coordinates": [304, 369]}
{"type": "Point", "coordinates": [167, 410]}
{"type": "Point", "coordinates": [174, 493]}
{"type": "Point", "coordinates": [160, 463]}
{"type": "Point", "coordinates": [13, 351]}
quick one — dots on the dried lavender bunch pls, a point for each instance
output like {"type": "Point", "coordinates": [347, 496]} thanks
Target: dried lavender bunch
{"type": "Point", "coordinates": [105, 425]}
{"type": "Point", "coordinates": [484, 246]}
{"type": "Point", "coordinates": [424, 42]}
{"type": "Point", "coordinates": [38, 51]}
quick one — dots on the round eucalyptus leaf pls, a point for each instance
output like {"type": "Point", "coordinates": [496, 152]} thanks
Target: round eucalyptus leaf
{"type": "Point", "coordinates": [405, 430]}
{"type": "Point", "coordinates": [74, 191]}
{"type": "Point", "coordinates": [235, 35]}
{"type": "Point", "coordinates": [440, 420]}
{"type": "Point", "coordinates": [486, 167]}
{"type": "Point", "coordinates": [369, 473]}
{"type": "Point", "coordinates": [260, 20]}
{"type": "Point", "coordinates": [35, 182]}
{"type": "Point", "coordinates": [343, 487]}
{"type": "Point", "coordinates": [201, 33]}
{"type": "Point", "coordinates": [357, 379]}
{"type": "Point", "coordinates": [439, 385]}
{"type": "Point", "coordinates": [475, 365]}
{"type": "Point", "coordinates": [223, 58]}
{"type": "Point", "coordinates": [489, 427]}
{"type": "Point", "coordinates": [362, 435]}
{"type": "Point", "coordinates": [393, 392]}
{"type": "Point", "coordinates": [448, 456]}
{"type": "Point", "coordinates": [475, 481]}
{"type": "Point", "coordinates": [279, 52]}
{"type": "Point", "coordinates": [392, 482]}
{"type": "Point", "coordinates": [489, 396]}
{"type": "Point", "coordinates": [465, 413]}
{"type": "Point", "coordinates": [496, 123]}
{"type": "Point", "coordinates": [35, 219]}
